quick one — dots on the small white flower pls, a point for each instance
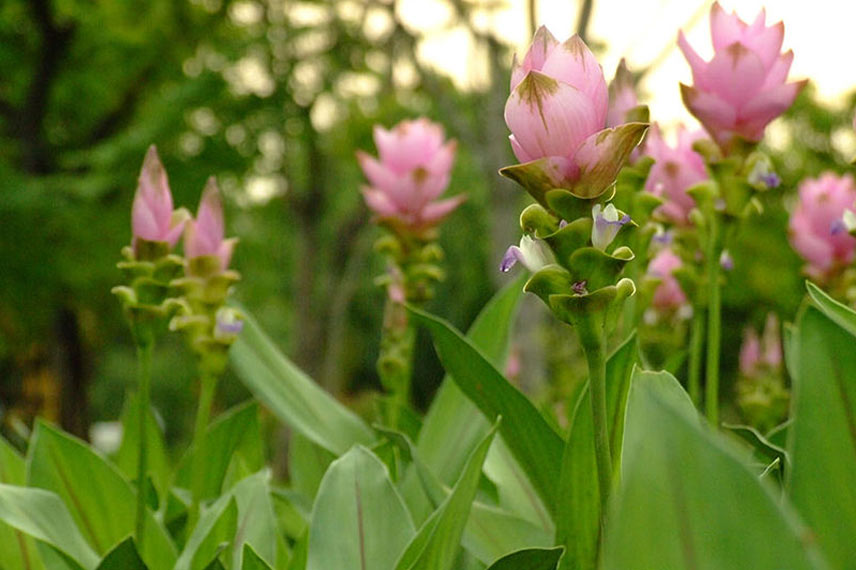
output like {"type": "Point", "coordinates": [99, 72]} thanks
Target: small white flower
{"type": "Point", "coordinates": [533, 253]}
{"type": "Point", "coordinates": [607, 222]}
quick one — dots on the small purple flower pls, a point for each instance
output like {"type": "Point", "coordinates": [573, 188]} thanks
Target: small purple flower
{"type": "Point", "coordinates": [607, 222]}
{"type": "Point", "coordinates": [533, 253]}
{"type": "Point", "coordinates": [837, 226]}
{"type": "Point", "coordinates": [663, 237]}
{"type": "Point", "coordinates": [771, 180]}
{"type": "Point", "coordinates": [726, 261]}
{"type": "Point", "coordinates": [580, 287]}
{"type": "Point", "coordinates": [229, 323]}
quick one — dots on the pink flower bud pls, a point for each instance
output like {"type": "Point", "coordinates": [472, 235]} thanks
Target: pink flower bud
{"type": "Point", "coordinates": [757, 354]}
{"type": "Point", "coordinates": [556, 113]}
{"type": "Point", "coordinates": [750, 352]}
{"type": "Point", "coordinates": [413, 170]}
{"type": "Point", "coordinates": [152, 216]}
{"type": "Point", "coordinates": [742, 89]}
{"type": "Point", "coordinates": [816, 229]}
{"type": "Point", "coordinates": [622, 96]}
{"type": "Point", "coordinates": [675, 170]}
{"type": "Point", "coordinates": [668, 294]}
{"type": "Point", "coordinates": [204, 235]}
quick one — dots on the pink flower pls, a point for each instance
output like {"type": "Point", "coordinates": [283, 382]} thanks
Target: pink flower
{"type": "Point", "coordinates": [557, 112]}
{"type": "Point", "coordinates": [676, 169]}
{"type": "Point", "coordinates": [204, 235]}
{"type": "Point", "coordinates": [152, 216]}
{"type": "Point", "coordinates": [816, 230]}
{"type": "Point", "coordinates": [742, 89]}
{"type": "Point", "coordinates": [622, 96]}
{"type": "Point", "coordinates": [413, 170]}
{"type": "Point", "coordinates": [757, 353]}
{"type": "Point", "coordinates": [668, 294]}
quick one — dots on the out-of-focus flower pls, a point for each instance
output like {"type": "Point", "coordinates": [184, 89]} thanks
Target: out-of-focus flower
{"type": "Point", "coordinates": [607, 223]}
{"type": "Point", "coordinates": [761, 393]}
{"type": "Point", "coordinates": [675, 170]}
{"type": "Point", "coordinates": [817, 230]}
{"type": "Point", "coordinates": [668, 294]}
{"type": "Point", "coordinates": [533, 253]}
{"type": "Point", "coordinates": [743, 88]}
{"type": "Point", "coordinates": [413, 170]}
{"type": "Point", "coordinates": [204, 235]}
{"type": "Point", "coordinates": [622, 96]}
{"type": "Point", "coordinates": [556, 113]}
{"type": "Point", "coordinates": [726, 261]}
{"type": "Point", "coordinates": [762, 176]}
{"type": "Point", "coordinates": [152, 216]}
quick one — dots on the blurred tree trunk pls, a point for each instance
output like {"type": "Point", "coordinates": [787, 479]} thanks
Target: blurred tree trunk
{"type": "Point", "coordinates": [70, 360]}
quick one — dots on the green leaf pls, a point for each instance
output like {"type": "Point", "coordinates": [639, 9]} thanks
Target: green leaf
{"type": "Point", "coordinates": [212, 534]}
{"type": "Point", "coordinates": [19, 550]}
{"type": "Point", "coordinates": [435, 545]}
{"type": "Point", "coordinates": [453, 425]}
{"type": "Point", "coordinates": [123, 556]}
{"type": "Point", "coordinates": [822, 435]}
{"type": "Point", "coordinates": [529, 559]}
{"type": "Point", "coordinates": [840, 314]}
{"type": "Point", "coordinates": [101, 501]}
{"type": "Point", "coordinates": [256, 520]}
{"type": "Point", "coordinates": [578, 518]}
{"type": "Point", "coordinates": [43, 515]}
{"type": "Point", "coordinates": [222, 439]}
{"type": "Point", "coordinates": [158, 466]}
{"type": "Point", "coordinates": [307, 463]}
{"type": "Point", "coordinates": [531, 439]}
{"type": "Point", "coordinates": [359, 520]}
{"type": "Point", "coordinates": [292, 396]}
{"type": "Point", "coordinates": [688, 500]}
{"type": "Point", "coordinates": [253, 561]}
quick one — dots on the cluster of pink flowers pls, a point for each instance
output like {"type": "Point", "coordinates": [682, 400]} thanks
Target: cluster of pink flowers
{"type": "Point", "coordinates": [675, 170]}
{"type": "Point", "coordinates": [154, 219]}
{"type": "Point", "coordinates": [413, 170]}
{"type": "Point", "coordinates": [817, 229]}
{"type": "Point", "coordinates": [668, 295]}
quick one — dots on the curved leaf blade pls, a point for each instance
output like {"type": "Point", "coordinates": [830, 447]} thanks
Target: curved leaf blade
{"type": "Point", "coordinates": [530, 559]}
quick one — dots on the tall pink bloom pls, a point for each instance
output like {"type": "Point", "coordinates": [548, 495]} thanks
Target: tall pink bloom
{"type": "Point", "coordinates": [413, 170]}
{"type": "Point", "coordinates": [676, 168]}
{"type": "Point", "coordinates": [743, 88]}
{"type": "Point", "coordinates": [817, 231]}
{"type": "Point", "coordinates": [557, 112]}
{"type": "Point", "coordinates": [204, 235]}
{"type": "Point", "coordinates": [668, 294]}
{"type": "Point", "coordinates": [152, 216]}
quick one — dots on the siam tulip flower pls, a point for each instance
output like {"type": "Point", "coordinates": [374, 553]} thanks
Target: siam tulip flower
{"type": "Point", "coordinates": [743, 88]}
{"type": "Point", "coordinates": [622, 97]}
{"type": "Point", "coordinates": [817, 229]}
{"type": "Point", "coordinates": [675, 170]}
{"type": "Point", "coordinates": [668, 294]}
{"type": "Point", "coordinates": [757, 353]}
{"type": "Point", "coordinates": [413, 170]}
{"type": "Point", "coordinates": [607, 223]}
{"type": "Point", "coordinates": [533, 253]}
{"type": "Point", "coordinates": [152, 216]}
{"type": "Point", "coordinates": [557, 112]}
{"type": "Point", "coordinates": [204, 235]}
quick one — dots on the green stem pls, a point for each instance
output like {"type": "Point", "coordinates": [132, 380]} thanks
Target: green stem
{"type": "Point", "coordinates": [696, 347]}
{"type": "Point", "coordinates": [593, 340]}
{"type": "Point", "coordinates": [144, 363]}
{"type": "Point", "coordinates": [395, 359]}
{"type": "Point", "coordinates": [714, 317]}
{"type": "Point", "coordinates": [208, 384]}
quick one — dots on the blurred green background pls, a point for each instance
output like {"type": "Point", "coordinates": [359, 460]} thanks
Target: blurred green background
{"type": "Point", "coordinates": [273, 98]}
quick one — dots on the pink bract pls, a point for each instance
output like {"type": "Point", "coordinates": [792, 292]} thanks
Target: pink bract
{"type": "Point", "coordinates": [152, 213]}
{"type": "Point", "coordinates": [676, 169]}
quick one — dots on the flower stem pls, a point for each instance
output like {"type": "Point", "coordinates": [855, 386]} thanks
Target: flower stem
{"type": "Point", "coordinates": [144, 363]}
{"type": "Point", "coordinates": [714, 317]}
{"type": "Point", "coordinates": [593, 340]}
{"type": "Point", "coordinates": [696, 347]}
{"type": "Point", "coordinates": [395, 360]}
{"type": "Point", "coordinates": [208, 384]}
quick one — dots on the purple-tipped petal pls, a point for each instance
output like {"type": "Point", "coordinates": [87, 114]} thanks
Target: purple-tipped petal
{"type": "Point", "coordinates": [548, 117]}
{"type": "Point", "coordinates": [510, 259]}
{"type": "Point", "coordinates": [602, 155]}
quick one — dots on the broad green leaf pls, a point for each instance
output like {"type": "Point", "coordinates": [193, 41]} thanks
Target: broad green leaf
{"type": "Point", "coordinates": [300, 552]}
{"type": "Point", "coordinates": [359, 520]}
{"type": "Point", "coordinates": [123, 556]}
{"type": "Point", "coordinates": [438, 541]}
{"type": "Point", "coordinates": [765, 450]}
{"type": "Point", "coordinates": [307, 463]}
{"type": "Point", "coordinates": [42, 515]}
{"type": "Point", "coordinates": [158, 465]}
{"type": "Point", "coordinates": [687, 499]}
{"type": "Point", "coordinates": [530, 559]}
{"type": "Point", "coordinates": [101, 501]}
{"type": "Point", "coordinates": [292, 396]}
{"type": "Point", "coordinates": [453, 425]}
{"type": "Point", "coordinates": [256, 520]}
{"type": "Point", "coordinates": [578, 518]}
{"type": "Point", "coordinates": [212, 534]}
{"type": "Point", "coordinates": [822, 436]}
{"type": "Point", "coordinates": [19, 550]}
{"type": "Point", "coordinates": [222, 439]}
{"type": "Point", "coordinates": [838, 313]}
{"type": "Point", "coordinates": [531, 439]}
{"type": "Point", "coordinates": [515, 490]}
{"type": "Point", "coordinates": [292, 511]}
{"type": "Point", "coordinates": [253, 561]}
